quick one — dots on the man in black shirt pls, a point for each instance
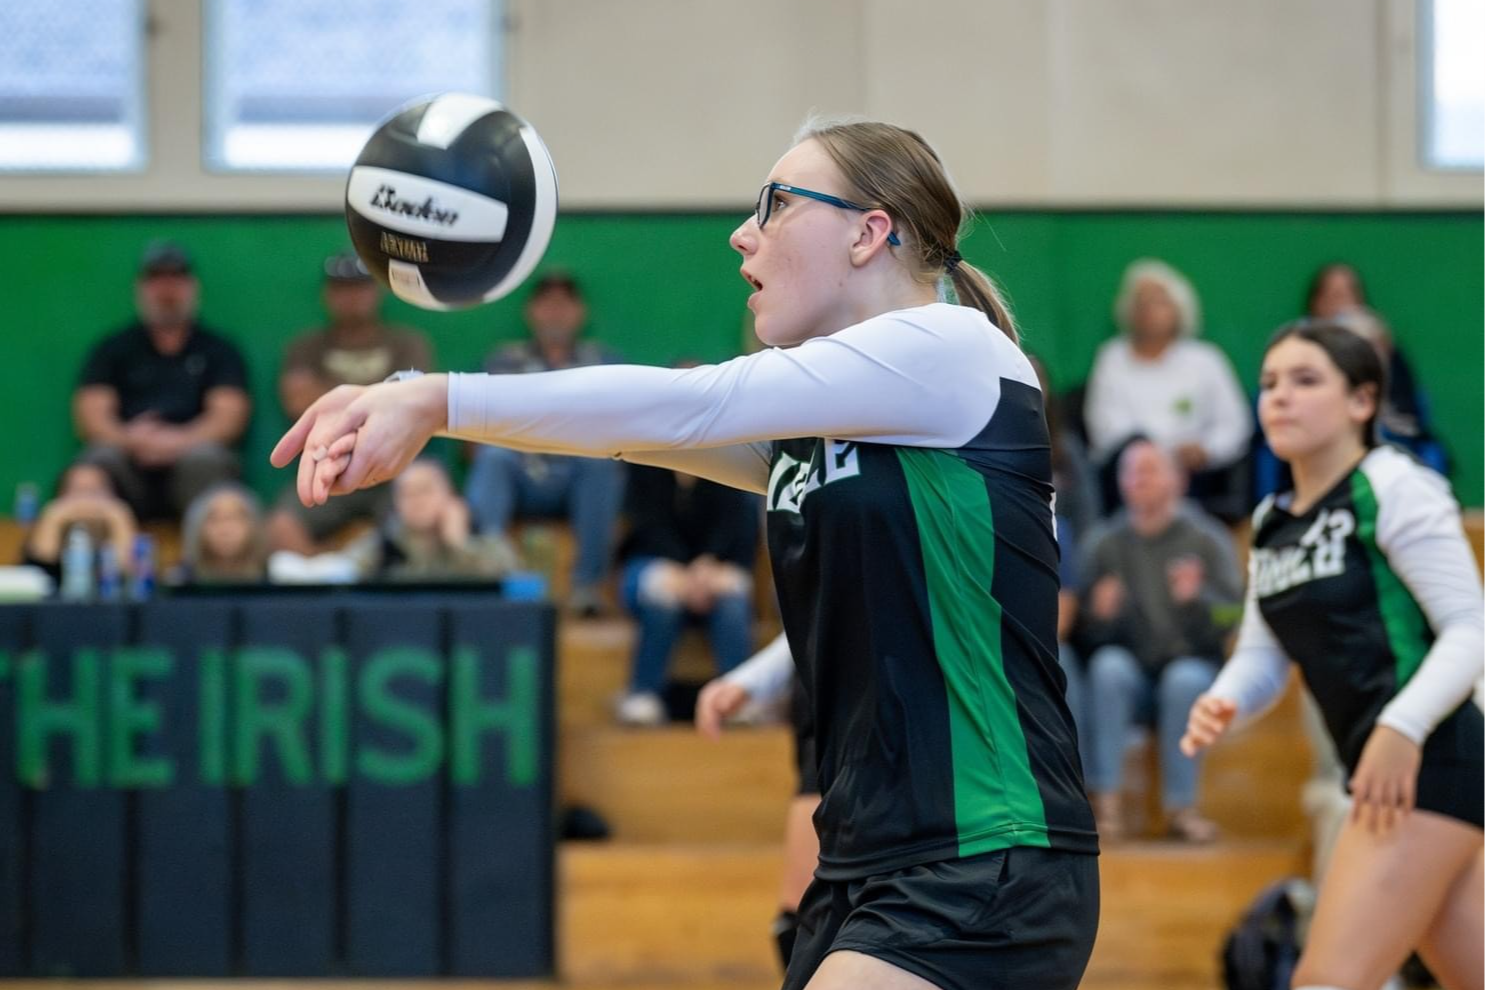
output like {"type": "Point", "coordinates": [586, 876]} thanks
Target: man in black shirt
{"type": "Point", "coordinates": [161, 403]}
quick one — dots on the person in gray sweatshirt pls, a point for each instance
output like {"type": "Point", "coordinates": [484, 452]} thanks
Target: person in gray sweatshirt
{"type": "Point", "coordinates": [1162, 589]}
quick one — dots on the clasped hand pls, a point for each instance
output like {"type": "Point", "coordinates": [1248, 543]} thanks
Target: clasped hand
{"type": "Point", "coordinates": [357, 436]}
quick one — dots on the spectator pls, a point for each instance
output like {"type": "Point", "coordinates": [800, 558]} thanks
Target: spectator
{"type": "Point", "coordinates": [428, 536]}
{"type": "Point", "coordinates": [1337, 290]}
{"type": "Point", "coordinates": [355, 348]}
{"type": "Point", "coordinates": [688, 555]}
{"type": "Point", "coordinates": [162, 403]}
{"type": "Point", "coordinates": [223, 540]}
{"type": "Point", "coordinates": [1162, 586]}
{"type": "Point", "coordinates": [505, 484]}
{"type": "Point", "coordinates": [1155, 380]}
{"type": "Point", "coordinates": [86, 496]}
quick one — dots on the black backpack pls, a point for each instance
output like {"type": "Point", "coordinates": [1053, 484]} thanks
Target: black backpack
{"type": "Point", "coordinates": [1260, 953]}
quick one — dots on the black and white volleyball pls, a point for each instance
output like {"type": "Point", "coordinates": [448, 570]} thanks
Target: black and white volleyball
{"type": "Point", "coordinates": [452, 201]}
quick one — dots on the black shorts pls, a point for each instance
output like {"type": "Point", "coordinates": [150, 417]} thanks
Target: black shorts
{"type": "Point", "coordinates": [1013, 918]}
{"type": "Point", "coordinates": [1451, 779]}
{"type": "Point", "coordinates": [804, 743]}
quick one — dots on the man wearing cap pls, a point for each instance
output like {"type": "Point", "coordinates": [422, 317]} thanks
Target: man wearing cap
{"type": "Point", "coordinates": [162, 403]}
{"type": "Point", "coordinates": [354, 348]}
{"type": "Point", "coordinates": [588, 492]}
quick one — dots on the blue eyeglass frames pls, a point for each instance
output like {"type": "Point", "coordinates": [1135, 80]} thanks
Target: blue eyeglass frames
{"type": "Point", "coordinates": [764, 206]}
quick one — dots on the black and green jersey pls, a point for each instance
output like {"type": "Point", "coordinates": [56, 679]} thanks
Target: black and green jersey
{"type": "Point", "coordinates": [907, 470]}
{"type": "Point", "coordinates": [1345, 590]}
{"type": "Point", "coordinates": [919, 593]}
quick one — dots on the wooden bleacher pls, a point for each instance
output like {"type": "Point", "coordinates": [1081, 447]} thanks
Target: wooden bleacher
{"type": "Point", "coordinates": [683, 894]}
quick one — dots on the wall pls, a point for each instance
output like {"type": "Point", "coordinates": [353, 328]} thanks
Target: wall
{"type": "Point", "coordinates": [665, 286]}
{"type": "Point", "coordinates": [1067, 103]}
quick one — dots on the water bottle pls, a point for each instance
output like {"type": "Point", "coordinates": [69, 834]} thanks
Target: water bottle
{"type": "Point", "coordinates": [110, 578]}
{"type": "Point", "coordinates": [77, 565]}
{"type": "Point", "coordinates": [142, 581]}
{"type": "Point", "coordinates": [27, 503]}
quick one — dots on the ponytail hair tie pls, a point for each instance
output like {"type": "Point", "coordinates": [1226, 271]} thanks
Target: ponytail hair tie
{"type": "Point", "coordinates": [951, 261]}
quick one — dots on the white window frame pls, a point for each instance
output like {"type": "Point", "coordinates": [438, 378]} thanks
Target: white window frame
{"type": "Point", "coordinates": [137, 123]}
{"type": "Point", "coordinates": [1407, 181]}
{"type": "Point", "coordinates": [176, 179]}
{"type": "Point", "coordinates": [211, 127]}
{"type": "Point", "coordinates": [1427, 103]}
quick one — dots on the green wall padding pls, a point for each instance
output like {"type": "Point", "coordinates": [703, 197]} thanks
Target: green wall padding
{"type": "Point", "coordinates": [665, 286]}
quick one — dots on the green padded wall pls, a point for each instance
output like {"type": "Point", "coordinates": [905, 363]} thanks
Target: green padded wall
{"type": "Point", "coordinates": [665, 286]}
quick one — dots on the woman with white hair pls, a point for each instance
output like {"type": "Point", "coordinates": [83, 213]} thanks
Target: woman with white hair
{"type": "Point", "coordinates": [1156, 380]}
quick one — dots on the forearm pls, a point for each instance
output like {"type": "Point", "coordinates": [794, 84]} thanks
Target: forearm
{"type": "Point", "coordinates": [219, 426]}
{"type": "Point", "coordinates": [1442, 683]}
{"type": "Point", "coordinates": [767, 674]}
{"type": "Point", "coordinates": [100, 427]}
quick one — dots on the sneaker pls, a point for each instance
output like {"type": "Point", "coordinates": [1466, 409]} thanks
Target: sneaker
{"type": "Point", "coordinates": [1189, 825]}
{"type": "Point", "coordinates": [642, 709]}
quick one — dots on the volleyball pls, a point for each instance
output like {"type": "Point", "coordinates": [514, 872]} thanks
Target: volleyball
{"type": "Point", "coordinates": [451, 202]}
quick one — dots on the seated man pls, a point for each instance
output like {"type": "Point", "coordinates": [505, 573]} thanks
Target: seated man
{"type": "Point", "coordinates": [505, 484]}
{"type": "Point", "coordinates": [161, 403]}
{"type": "Point", "coordinates": [1162, 590]}
{"type": "Point", "coordinates": [354, 348]}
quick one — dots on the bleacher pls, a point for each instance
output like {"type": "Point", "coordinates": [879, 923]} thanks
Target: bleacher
{"type": "Point", "coordinates": [682, 894]}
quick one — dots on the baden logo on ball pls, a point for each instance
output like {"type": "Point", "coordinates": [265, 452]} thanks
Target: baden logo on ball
{"type": "Point", "coordinates": [451, 202]}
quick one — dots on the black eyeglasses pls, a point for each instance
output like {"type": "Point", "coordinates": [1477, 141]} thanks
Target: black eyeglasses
{"type": "Point", "coordinates": [764, 207]}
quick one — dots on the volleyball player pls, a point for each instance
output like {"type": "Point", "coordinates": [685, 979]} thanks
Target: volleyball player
{"type": "Point", "coordinates": [1361, 575]}
{"type": "Point", "coordinates": [901, 444]}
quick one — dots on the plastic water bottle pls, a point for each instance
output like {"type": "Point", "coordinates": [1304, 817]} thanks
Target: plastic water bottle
{"type": "Point", "coordinates": [77, 566]}
{"type": "Point", "coordinates": [110, 579]}
{"type": "Point", "coordinates": [142, 582]}
{"type": "Point", "coordinates": [27, 503]}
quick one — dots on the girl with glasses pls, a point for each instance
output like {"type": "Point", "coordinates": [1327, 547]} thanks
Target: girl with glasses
{"type": "Point", "coordinates": [900, 442]}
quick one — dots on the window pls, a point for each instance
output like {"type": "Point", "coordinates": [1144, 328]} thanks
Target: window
{"type": "Point", "coordinates": [296, 85]}
{"type": "Point", "coordinates": [1452, 87]}
{"type": "Point", "coordinates": [71, 82]}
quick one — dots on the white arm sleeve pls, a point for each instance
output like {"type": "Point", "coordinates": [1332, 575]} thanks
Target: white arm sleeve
{"type": "Point", "coordinates": [768, 674]}
{"type": "Point", "coordinates": [1419, 530]}
{"type": "Point", "coordinates": [927, 377]}
{"type": "Point", "coordinates": [1258, 670]}
{"type": "Point", "coordinates": [743, 465]}
{"type": "Point", "coordinates": [1230, 427]}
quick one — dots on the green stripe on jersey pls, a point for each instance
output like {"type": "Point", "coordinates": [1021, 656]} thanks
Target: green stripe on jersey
{"type": "Point", "coordinates": [996, 799]}
{"type": "Point", "coordinates": [1408, 634]}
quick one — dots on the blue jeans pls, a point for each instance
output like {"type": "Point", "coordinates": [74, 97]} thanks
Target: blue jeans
{"type": "Point", "coordinates": [728, 630]}
{"type": "Point", "coordinates": [1077, 695]}
{"type": "Point", "coordinates": [1121, 691]}
{"type": "Point", "coordinates": [586, 491]}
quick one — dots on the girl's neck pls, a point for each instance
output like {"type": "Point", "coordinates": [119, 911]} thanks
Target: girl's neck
{"type": "Point", "coordinates": [1320, 471]}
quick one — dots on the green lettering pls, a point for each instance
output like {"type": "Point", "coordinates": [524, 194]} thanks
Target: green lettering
{"type": "Point", "coordinates": [281, 722]}
{"type": "Point", "coordinates": [334, 721]}
{"type": "Point", "coordinates": [381, 704]}
{"type": "Point", "coordinates": [211, 718]}
{"type": "Point", "coordinates": [130, 716]}
{"type": "Point", "coordinates": [39, 719]}
{"type": "Point", "coordinates": [515, 715]}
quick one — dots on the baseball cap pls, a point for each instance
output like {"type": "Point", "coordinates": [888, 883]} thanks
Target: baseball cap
{"type": "Point", "coordinates": [164, 258]}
